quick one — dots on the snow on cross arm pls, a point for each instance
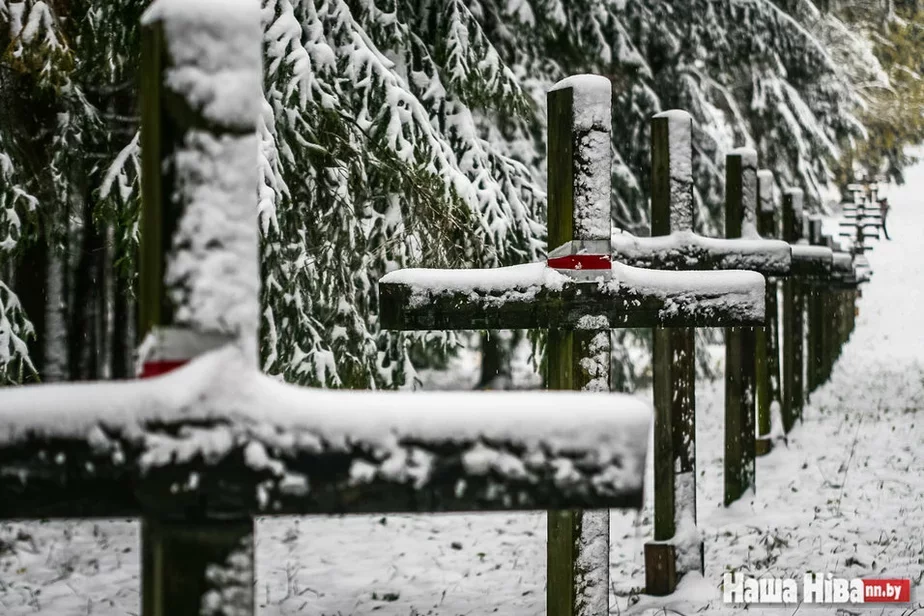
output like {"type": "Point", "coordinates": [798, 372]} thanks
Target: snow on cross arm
{"type": "Point", "coordinates": [277, 448]}
{"type": "Point", "coordinates": [685, 250]}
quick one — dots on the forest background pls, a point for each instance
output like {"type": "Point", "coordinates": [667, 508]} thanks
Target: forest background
{"type": "Point", "coordinates": [398, 133]}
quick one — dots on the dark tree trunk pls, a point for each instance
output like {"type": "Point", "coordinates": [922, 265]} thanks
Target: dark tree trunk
{"type": "Point", "coordinates": [54, 340]}
{"type": "Point", "coordinates": [84, 340]}
{"type": "Point", "coordinates": [30, 285]}
{"type": "Point", "coordinates": [122, 315]}
{"type": "Point", "coordinates": [496, 354]}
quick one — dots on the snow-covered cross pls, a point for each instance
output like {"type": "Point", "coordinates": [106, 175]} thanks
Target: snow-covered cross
{"type": "Point", "coordinates": [741, 199]}
{"type": "Point", "coordinates": [815, 310]}
{"type": "Point", "coordinates": [769, 380]}
{"type": "Point", "coordinates": [836, 299]}
{"type": "Point", "coordinates": [677, 547]}
{"type": "Point", "coordinates": [793, 314]}
{"type": "Point", "coordinates": [577, 295]}
{"type": "Point", "coordinates": [674, 245]}
{"type": "Point", "coordinates": [199, 450]}
{"type": "Point", "coordinates": [863, 214]}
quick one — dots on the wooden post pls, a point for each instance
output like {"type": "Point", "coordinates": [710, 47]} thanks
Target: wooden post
{"type": "Point", "coordinates": [829, 320]}
{"type": "Point", "coordinates": [194, 151]}
{"type": "Point", "coordinates": [768, 347]}
{"type": "Point", "coordinates": [579, 180]}
{"type": "Point", "coordinates": [740, 342]}
{"type": "Point", "coordinates": [792, 316]}
{"type": "Point", "coordinates": [673, 371]}
{"type": "Point", "coordinates": [816, 317]}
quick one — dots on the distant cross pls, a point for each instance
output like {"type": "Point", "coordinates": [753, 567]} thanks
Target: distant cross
{"type": "Point", "coordinates": [209, 442]}
{"type": "Point", "coordinates": [675, 246]}
{"type": "Point", "coordinates": [578, 296]}
{"type": "Point", "coordinates": [816, 312]}
{"type": "Point", "coordinates": [793, 315]}
{"type": "Point", "coordinates": [865, 213]}
{"type": "Point", "coordinates": [740, 342]}
{"type": "Point", "coordinates": [768, 337]}
{"type": "Point", "coordinates": [834, 299]}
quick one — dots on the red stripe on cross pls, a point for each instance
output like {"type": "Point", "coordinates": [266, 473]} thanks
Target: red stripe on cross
{"type": "Point", "coordinates": [174, 347]}
{"type": "Point", "coordinates": [158, 368]}
{"type": "Point", "coordinates": [581, 262]}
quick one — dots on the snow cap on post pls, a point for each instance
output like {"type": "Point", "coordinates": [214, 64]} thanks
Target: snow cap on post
{"type": "Point", "coordinates": [741, 194]}
{"type": "Point", "coordinates": [672, 203]}
{"type": "Point", "coordinates": [580, 181]}
{"type": "Point", "coordinates": [216, 61]}
{"type": "Point", "coordinates": [200, 170]}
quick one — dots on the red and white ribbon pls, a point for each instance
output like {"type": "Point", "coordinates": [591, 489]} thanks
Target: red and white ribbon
{"type": "Point", "coordinates": [168, 348]}
{"type": "Point", "coordinates": [583, 258]}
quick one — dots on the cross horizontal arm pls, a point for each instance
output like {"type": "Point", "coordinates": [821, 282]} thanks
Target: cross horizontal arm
{"type": "Point", "coordinates": [534, 296]}
{"type": "Point", "coordinates": [218, 440]}
{"type": "Point", "coordinates": [842, 263]}
{"type": "Point", "coordinates": [685, 250]}
{"type": "Point", "coordinates": [811, 261]}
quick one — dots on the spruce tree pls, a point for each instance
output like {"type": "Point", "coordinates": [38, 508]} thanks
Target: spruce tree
{"type": "Point", "coordinates": [394, 133]}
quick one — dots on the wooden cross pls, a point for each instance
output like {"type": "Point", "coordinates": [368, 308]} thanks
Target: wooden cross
{"type": "Point", "coordinates": [768, 337]}
{"type": "Point", "coordinates": [863, 214]}
{"type": "Point", "coordinates": [793, 316]}
{"type": "Point", "coordinates": [210, 442]}
{"type": "Point", "coordinates": [578, 296]}
{"type": "Point", "coordinates": [823, 306]}
{"type": "Point", "coordinates": [835, 296]}
{"type": "Point", "coordinates": [741, 196]}
{"type": "Point", "coordinates": [816, 313]}
{"type": "Point", "coordinates": [674, 246]}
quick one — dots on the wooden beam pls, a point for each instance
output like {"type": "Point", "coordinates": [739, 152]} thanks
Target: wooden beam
{"type": "Point", "coordinates": [811, 262]}
{"type": "Point", "coordinates": [768, 337]}
{"type": "Point", "coordinates": [792, 316]}
{"type": "Point", "coordinates": [533, 296]}
{"type": "Point", "coordinates": [579, 177]}
{"type": "Point", "coordinates": [157, 220]}
{"type": "Point", "coordinates": [740, 342]}
{"type": "Point", "coordinates": [199, 159]}
{"type": "Point", "coordinates": [816, 317]}
{"type": "Point", "coordinates": [686, 251]}
{"type": "Point", "coordinates": [215, 440]}
{"type": "Point", "coordinates": [220, 552]}
{"type": "Point", "coordinates": [673, 371]}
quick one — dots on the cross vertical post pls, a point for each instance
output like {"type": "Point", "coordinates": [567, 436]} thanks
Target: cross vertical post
{"type": "Point", "coordinates": [816, 317]}
{"type": "Point", "coordinates": [829, 318]}
{"type": "Point", "coordinates": [768, 345]}
{"type": "Point", "coordinates": [740, 342]}
{"type": "Point", "coordinates": [793, 309]}
{"type": "Point", "coordinates": [199, 156]}
{"type": "Point", "coordinates": [673, 370]}
{"type": "Point", "coordinates": [579, 184]}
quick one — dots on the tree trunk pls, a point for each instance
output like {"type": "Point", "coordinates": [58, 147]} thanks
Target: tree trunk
{"type": "Point", "coordinates": [54, 341]}
{"type": "Point", "coordinates": [121, 343]}
{"type": "Point", "coordinates": [85, 317]}
{"type": "Point", "coordinates": [29, 285]}
{"type": "Point", "coordinates": [496, 355]}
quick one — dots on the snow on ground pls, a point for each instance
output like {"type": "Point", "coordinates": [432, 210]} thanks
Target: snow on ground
{"type": "Point", "coordinates": [845, 496]}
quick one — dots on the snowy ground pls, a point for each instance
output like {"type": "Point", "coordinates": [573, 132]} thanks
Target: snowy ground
{"type": "Point", "coordinates": [845, 496]}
